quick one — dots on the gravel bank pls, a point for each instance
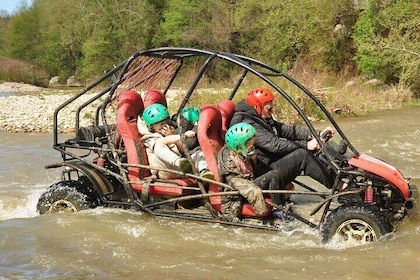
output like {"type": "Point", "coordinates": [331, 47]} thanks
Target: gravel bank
{"type": "Point", "coordinates": [27, 108]}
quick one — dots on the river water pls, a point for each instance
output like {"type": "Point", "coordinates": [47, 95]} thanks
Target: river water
{"type": "Point", "coordinates": [121, 244]}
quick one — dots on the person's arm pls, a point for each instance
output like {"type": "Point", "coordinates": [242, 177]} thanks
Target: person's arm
{"type": "Point", "coordinates": [268, 143]}
{"type": "Point", "coordinates": [326, 134]}
{"type": "Point", "coordinates": [170, 139]}
{"type": "Point", "coordinates": [302, 135]}
{"type": "Point", "coordinates": [174, 138]}
{"type": "Point", "coordinates": [293, 132]}
{"type": "Point", "coordinates": [192, 142]}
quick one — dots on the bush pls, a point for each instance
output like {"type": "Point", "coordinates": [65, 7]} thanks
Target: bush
{"type": "Point", "coordinates": [388, 39]}
{"type": "Point", "coordinates": [13, 70]}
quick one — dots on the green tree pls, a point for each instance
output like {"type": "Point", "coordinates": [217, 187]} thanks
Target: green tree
{"type": "Point", "coordinates": [331, 45]}
{"type": "Point", "coordinates": [79, 37]}
{"type": "Point", "coordinates": [24, 37]}
{"type": "Point", "coordinates": [283, 31]}
{"type": "Point", "coordinates": [49, 35]}
{"type": "Point", "coordinates": [63, 35]}
{"type": "Point", "coordinates": [388, 42]}
{"type": "Point", "coordinates": [4, 22]}
{"type": "Point", "coordinates": [115, 30]}
{"type": "Point", "coordinates": [194, 23]}
{"type": "Point", "coordinates": [85, 38]}
{"type": "Point", "coordinates": [273, 30]}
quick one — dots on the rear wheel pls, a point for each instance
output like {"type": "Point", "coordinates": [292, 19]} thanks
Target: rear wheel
{"type": "Point", "coordinates": [358, 223]}
{"type": "Point", "coordinates": [67, 196]}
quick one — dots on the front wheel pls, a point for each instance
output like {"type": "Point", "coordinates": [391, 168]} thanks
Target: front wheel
{"type": "Point", "coordinates": [66, 196]}
{"type": "Point", "coordinates": [358, 223]}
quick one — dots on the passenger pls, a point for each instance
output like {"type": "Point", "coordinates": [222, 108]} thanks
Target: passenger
{"type": "Point", "coordinates": [189, 121]}
{"type": "Point", "coordinates": [286, 148]}
{"type": "Point", "coordinates": [164, 146]}
{"type": "Point", "coordinates": [240, 168]}
{"type": "Point", "coordinates": [150, 97]}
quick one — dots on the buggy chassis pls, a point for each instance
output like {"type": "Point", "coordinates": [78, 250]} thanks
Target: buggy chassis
{"type": "Point", "coordinates": [105, 164]}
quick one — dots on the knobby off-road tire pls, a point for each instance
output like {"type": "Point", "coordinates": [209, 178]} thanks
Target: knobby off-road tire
{"type": "Point", "coordinates": [359, 223]}
{"type": "Point", "coordinates": [67, 196]}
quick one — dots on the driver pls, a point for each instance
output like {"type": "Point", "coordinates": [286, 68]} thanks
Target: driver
{"type": "Point", "coordinates": [287, 148]}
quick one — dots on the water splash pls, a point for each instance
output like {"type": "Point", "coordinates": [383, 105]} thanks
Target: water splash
{"type": "Point", "coordinates": [21, 207]}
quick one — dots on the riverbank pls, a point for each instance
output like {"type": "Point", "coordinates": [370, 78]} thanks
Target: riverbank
{"type": "Point", "coordinates": [28, 108]}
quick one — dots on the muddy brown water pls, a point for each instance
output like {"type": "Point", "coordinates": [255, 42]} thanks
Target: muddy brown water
{"type": "Point", "coordinates": [119, 244]}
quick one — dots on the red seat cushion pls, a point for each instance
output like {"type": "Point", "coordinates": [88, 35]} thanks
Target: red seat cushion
{"type": "Point", "coordinates": [227, 108]}
{"type": "Point", "coordinates": [130, 105]}
{"type": "Point", "coordinates": [209, 134]}
{"type": "Point", "coordinates": [154, 96]}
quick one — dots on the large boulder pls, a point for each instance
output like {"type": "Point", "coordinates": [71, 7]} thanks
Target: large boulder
{"type": "Point", "coordinates": [72, 81]}
{"type": "Point", "coordinates": [54, 82]}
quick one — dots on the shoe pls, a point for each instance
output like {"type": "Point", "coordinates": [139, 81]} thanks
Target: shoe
{"type": "Point", "coordinates": [205, 173]}
{"type": "Point", "coordinates": [280, 216]}
{"type": "Point", "coordinates": [185, 165]}
{"type": "Point", "coordinates": [230, 210]}
{"type": "Point", "coordinates": [289, 202]}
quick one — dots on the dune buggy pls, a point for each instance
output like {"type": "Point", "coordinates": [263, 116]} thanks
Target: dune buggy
{"type": "Point", "coordinates": [105, 164]}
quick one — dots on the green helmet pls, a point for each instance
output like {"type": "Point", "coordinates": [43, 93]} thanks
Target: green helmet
{"type": "Point", "coordinates": [237, 136]}
{"type": "Point", "coordinates": [155, 113]}
{"type": "Point", "coordinates": [191, 114]}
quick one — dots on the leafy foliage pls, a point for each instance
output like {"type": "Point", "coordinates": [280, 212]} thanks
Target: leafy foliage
{"type": "Point", "coordinates": [388, 39]}
{"type": "Point", "coordinates": [379, 38]}
{"type": "Point", "coordinates": [114, 30]}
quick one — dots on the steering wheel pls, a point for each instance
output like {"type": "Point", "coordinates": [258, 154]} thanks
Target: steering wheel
{"type": "Point", "coordinates": [326, 135]}
{"type": "Point", "coordinates": [336, 151]}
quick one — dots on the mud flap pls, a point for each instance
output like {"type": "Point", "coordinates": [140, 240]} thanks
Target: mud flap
{"type": "Point", "coordinates": [98, 180]}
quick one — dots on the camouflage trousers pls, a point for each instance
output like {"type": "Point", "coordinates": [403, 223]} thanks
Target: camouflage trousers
{"type": "Point", "coordinates": [253, 195]}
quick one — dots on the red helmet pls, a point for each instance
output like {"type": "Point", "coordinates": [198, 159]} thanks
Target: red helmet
{"type": "Point", "coordinates": [259, 96]}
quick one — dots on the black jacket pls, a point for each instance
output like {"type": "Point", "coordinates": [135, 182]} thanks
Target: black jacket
{"type": "Point", "coordinates": [273, 139]}
{"type": "Point", "coordinates": [191, 143]}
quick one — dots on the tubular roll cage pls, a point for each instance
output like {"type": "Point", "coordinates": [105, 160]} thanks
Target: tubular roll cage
{"type": "Point", "coordinates": [179, 54]}
{"type": "Point", "coordinates": [121, 79]}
